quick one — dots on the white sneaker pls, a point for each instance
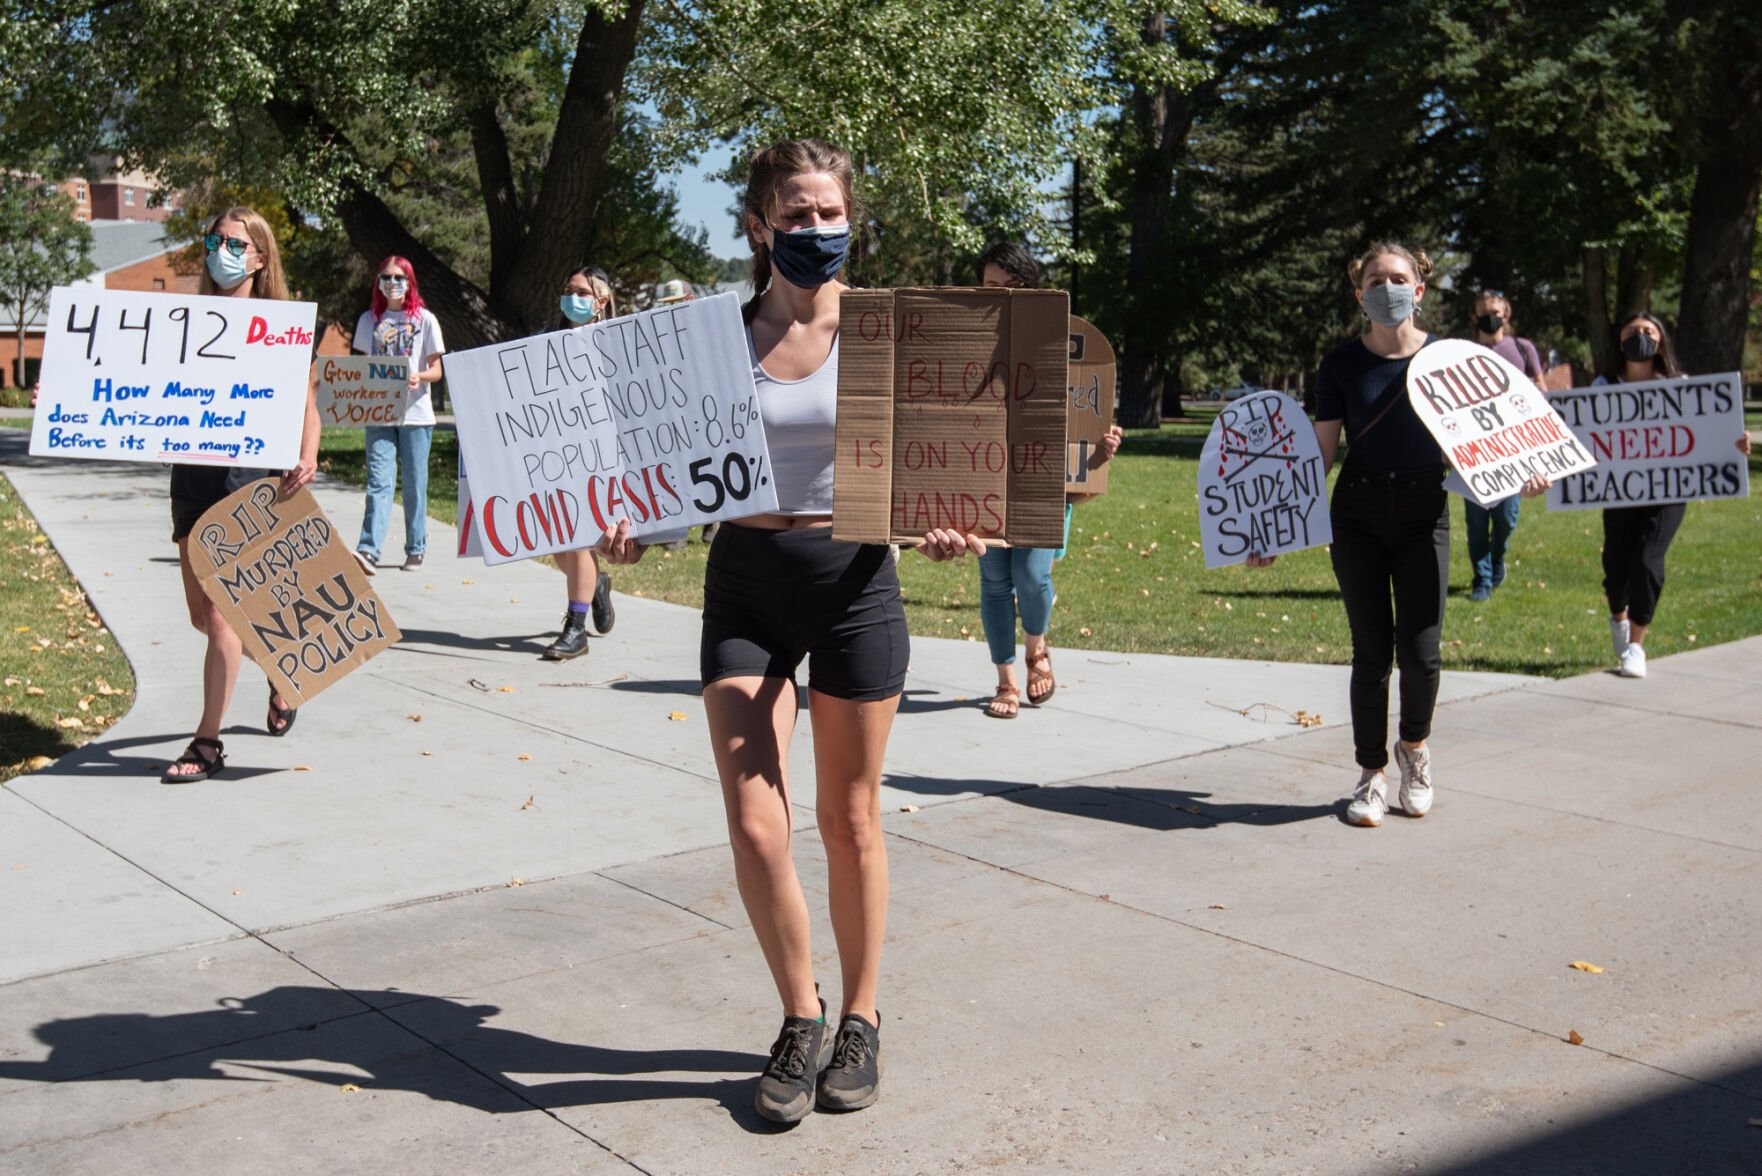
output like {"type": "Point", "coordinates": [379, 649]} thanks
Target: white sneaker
{"type": "Point", "coordinates": [1633, 662]}
{"type": "Point", "coordinates": [1368, 806]}
{"type": "Point", "coordinates": [1618, 636]}
{"type": "Point", "coordinates": [1416, 780]}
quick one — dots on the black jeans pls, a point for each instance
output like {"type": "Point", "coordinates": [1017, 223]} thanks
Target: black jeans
{"type": "Point", "coordinates": [1635, 539]}
{"type": "Point", "coordinates": [1391, 530]}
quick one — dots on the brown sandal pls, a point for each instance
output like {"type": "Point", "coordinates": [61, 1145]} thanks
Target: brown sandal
{"type": "Point", "coordinates": [1040, 673]}
{"type": "Point", "coordinates": [1005, 704]}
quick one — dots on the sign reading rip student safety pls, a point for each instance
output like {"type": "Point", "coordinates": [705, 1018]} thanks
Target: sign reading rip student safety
{"type": "Point", "coordinates": [1089, 414]}
{"type": "Point", "coordinates": [1494, 425]}
{"type": "Point", "coordinates": [1661, 441]}
{"type": "Point", "coordinates": [289, 587]}
{"type": "Point", "coordinates": [356, 391]}
{"type": "Point", "coordinates": [951, 415]}
{"type": "Point", "coordinates": [651, 417]}
{"type": "Point", "coordinates": [187, 378]}
{"type": "Point", "coordinates": [1262, 486]}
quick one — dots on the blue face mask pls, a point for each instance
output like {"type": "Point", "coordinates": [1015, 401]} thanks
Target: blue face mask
{"type": "Point", "coordinates": [809, 258]}
{"type": "Point", "coordinates": [1389, 304]}
{"type": "Point", "coordinates": [226, 270]}
{"type": "Point", "coordinates": [578, 309]}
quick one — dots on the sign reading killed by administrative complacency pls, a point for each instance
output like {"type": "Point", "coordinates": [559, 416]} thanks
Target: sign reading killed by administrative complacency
{"type": "Point", "coordinates": [185, 378]}
{"type": "Point", "coordinates": [358, 391]}
{"type": "Point", "coordinates": [651, 417]}
{"type": "Point", "coordinates": [952, 408]}
{"type": "Point", "coordinates": [1661, 441]}
{"type": "Point", "coordinates": [1089, 414]}
{"type": "Point", "coordinates": [290, 588]}
{"type": "Point", "coordinates": [1262, 485]}
{"type": "Point", "coordinates": [1494, 425]}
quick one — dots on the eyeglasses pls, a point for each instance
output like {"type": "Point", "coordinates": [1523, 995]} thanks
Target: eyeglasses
{"type": "Point", "coordinates": [213, 241]}
{"type": "Point", "coordinates": [393, 280]}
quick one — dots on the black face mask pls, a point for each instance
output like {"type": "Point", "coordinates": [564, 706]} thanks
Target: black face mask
{"type": "Point", "coordinates": [1639, 347]}
{"type": "Point", "coordinates": [1490, 323]}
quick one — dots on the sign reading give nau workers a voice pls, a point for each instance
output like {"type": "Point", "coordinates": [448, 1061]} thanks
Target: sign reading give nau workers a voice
{"type": "Point", "coordinates": [358, 391]}
{"type": "Point", "coordinates": [1494, 425]}
{"type": "Point", "coordinates": [187, 378]}
{"type": "Point", "coordinates": [1262, 488]}
{"type": "Point", "coordinates": [651, 417]}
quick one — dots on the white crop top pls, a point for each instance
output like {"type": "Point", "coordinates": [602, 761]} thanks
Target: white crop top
{"type": "Point", "coordinates": [800, 418]}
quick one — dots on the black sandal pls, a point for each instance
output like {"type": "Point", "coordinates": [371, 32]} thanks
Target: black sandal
{"type": "Point", "coordinates": [281, 714]}
{"type": "Point", "coordinates": [210, 767]}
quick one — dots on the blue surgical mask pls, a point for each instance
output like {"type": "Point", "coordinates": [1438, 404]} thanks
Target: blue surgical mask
{"type": "Point", "coordinates": [809, 258]}
{"type": "Point", "coordinates": [1389, 304]}
{"type": "Point", "coordinates": [578, 309]}
{"type": "Point", "coordinates": [226, 270]}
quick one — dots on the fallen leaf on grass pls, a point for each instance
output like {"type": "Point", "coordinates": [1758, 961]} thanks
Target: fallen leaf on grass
{"type": "Point", "coordinates": [1574, 1037]}
{"type": "Point", "coordinates": [676, 716]}
{"type": "Point", "coordinates": [14, 682]}
{"type": "Point", "coordinates": [70, 723]}
{"type": "Point", "coordinates": [34, 691]}
{"type": "Point", "coordinates": [38, 762]}
{"type": "Point", "coordinates": [1582, 966]}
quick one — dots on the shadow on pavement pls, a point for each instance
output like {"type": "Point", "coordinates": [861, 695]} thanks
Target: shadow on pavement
{"type": "Point", "coordinates": [1160, 809]}
{"type": "Point", "coordinates": [533, 643]}
{"type": "Point", "coordinates": [102, 759]}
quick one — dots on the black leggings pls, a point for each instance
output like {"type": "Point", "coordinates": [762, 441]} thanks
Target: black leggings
{"type": "Point", "coordinates": [1391, 529]}
{"type": "Point", "coordinates": [1635, 539]}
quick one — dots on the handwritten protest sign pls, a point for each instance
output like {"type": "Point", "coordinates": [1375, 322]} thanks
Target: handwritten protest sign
{"type": "Point", "coordinates": [289, 587]}
{"type": "Point", "coordinates": [1089, 413]}
{"type": "Point", "coordinates": [1495, 426]}
{"type": "Point", "coordinates": [951, 414]}
{"type": "Point", "coordinates": [355, 391]}
{"type": "Point", "coordinates": [1262, 487]}
{"type": "Point", "coordinates": [1661, 441]}
{"type": "Point", "coordinates": [133, 376]}
{"type": "Point", "coordinates": [652, 417]}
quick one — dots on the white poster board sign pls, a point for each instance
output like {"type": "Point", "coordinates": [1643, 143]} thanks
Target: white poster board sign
{"type": "Point", "coordinates": [188, 378]}
{"type": "Point", "coordinates": [469, 547]}
{"type": "Point", "coordinates": [652, 417]}
{"type": "Point", "coordinates": [1661, 441]}
{"type": "Point", "coordinates": [355, 391]}
{"type": "Point", "coordinates": [1262, 486]}
{"type": "Point", "coordinates": [1494, 425]}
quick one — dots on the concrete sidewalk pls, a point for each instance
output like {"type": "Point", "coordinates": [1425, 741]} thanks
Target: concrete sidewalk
{"type": "Point", "coordinates": [476, 912]}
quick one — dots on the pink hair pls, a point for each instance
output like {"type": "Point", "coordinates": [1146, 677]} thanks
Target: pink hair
{"type": "Point", "coordinates": [412, 299]}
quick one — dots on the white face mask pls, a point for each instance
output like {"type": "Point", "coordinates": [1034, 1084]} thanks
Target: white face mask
{"type": "Point", "coordinates": [226, 270]}
{"type": "Point", "coordinates": [1389, 304]}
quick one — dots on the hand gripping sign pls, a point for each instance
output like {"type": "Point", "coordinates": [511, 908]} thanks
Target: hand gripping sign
{"type": "Point", "coordinates": [1495, 427]}
{"type": "Point", "coordinates": [1262, 489]}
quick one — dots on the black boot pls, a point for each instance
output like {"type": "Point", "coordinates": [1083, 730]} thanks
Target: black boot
{"type": "Point", "coordinates": [573, 641]}
{"type": "Point", "coordinates": [604, 615]}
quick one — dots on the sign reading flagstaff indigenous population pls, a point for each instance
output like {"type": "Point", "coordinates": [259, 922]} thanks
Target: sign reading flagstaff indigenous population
{"type": "Point", "coordinates": [652, 417]}
{"type": "Point", "coordinates": [951, 414]}
{"type": "Point", "coordinates": [290, 588]}
{"type": "Point", "coordinates": [355, 391]}
{"type": "Point", "coordinates": [1661, 441]}
{"type": "Point", "coordinates": [186, 378]}
{"type": "Point", "coordinates": [1494, 425]}
{"type": "Point", "coordinates": [1262, 488]}
{"type": "Point", "coordinates": [1090, 412]}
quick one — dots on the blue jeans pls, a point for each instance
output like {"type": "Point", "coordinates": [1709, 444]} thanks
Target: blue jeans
{"type": "Point", "coordinates": [389, 446]}
{"type": "Point", "coordinates": [1012, 578]}
{"type": "Point", "coordinates": [1489, 534]}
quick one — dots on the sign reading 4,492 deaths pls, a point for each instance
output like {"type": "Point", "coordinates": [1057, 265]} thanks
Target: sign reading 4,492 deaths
{"type": "Point", "coordinates": [186, 378]}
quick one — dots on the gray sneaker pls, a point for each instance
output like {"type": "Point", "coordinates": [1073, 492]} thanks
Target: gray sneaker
{"type": "Point", "coordinates": [1368, 801]}
{"type": "Point", "coordinates": [853, 1079]}
{"type": "Point", "coordinates": [786, 1086]}
{"type": "Point", "coordinates": [1416, 779]}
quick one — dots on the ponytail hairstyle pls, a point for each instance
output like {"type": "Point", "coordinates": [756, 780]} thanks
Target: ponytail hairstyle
{"type": "Point", "coordinates": [269, 280]}
{"type": "Point", "coordinates": [1422, 265]}
{"type": "Point", "coordinates": [1664, 363]}
{"type": "Point", "coordinates": [1013, 260]}
{"type": "Point", "coordinates": [412, 298]}
{"type": "Point", "coordinates": [767, 171]}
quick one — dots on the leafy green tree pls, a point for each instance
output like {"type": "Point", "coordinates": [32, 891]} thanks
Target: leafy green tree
{"type": "Point", "coordinates": [41, 246]}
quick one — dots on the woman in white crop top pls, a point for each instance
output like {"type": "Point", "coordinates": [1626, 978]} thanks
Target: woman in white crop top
{"type": "Point", "coordinates": [779, 589]}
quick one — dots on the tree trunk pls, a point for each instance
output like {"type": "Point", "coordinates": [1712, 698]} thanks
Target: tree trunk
{"type": "Point", "coordinates": [1634, 283]}
{"type": "Point", "coordinates": [1598, 328]}
{"type": "Point", "coordinates": [1141, 364]}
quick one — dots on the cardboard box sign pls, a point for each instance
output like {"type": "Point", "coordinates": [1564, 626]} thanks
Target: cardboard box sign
{"type": "Point", "coordinates": [952, 414]}
{"type": "Point", "coordinates": [1090, 412]}
{"type": "Point", "coordinates": [360, 391]}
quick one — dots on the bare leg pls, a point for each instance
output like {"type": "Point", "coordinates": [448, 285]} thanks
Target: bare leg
{"type": "Point", "coordinates": [581, 571]}
{"type": "Point", "coordinates": [220, 664]}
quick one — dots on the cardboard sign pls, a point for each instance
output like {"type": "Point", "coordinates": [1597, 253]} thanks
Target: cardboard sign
{"type": "Point", "coordinates": [1494, 425]}
{"type": "Point", "coordinates": [951, 414]}
{"type": "Point", "coordinates": [355, 391]}
{"type": "Point", "coordinates": [186, 378]}
{"type": "Point", "coordinates": [1090, 412]}
{"type": "Point", "coordinates": [1661, 441]}
{"type": "Point", "coordinates": [289, 587]}
{"type": "Point", "coordinates": [1263, 488]}
{"type": "Point", "coordinates": [652, 417]}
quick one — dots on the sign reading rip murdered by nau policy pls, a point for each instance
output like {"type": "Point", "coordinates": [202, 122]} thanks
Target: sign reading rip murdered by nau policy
{"type": "Point", "coordinates": [651, 417]}
{"type": "Point", "coordinates": [185, 378]}
{"type": "Point", "coordinates": [1262, 486]}
{"type": "Point", "coordinates": [951, 414]}
{"type": "Point", "coordinates": [1661, 441]}
{"type": "Point", "coordinates": [1090, 412]}
{"type": "Point", "coordinates": [1494, 425]}
{"type": "Point", "coordinates": [355, 391]}
{"type": "Point", "coordinates": [290, 588]}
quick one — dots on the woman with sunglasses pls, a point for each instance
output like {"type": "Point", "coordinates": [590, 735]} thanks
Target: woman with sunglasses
{"type": "Point", "coordinates": [242, 261]}
{"type": "Point", "coordinates": [398, 324]}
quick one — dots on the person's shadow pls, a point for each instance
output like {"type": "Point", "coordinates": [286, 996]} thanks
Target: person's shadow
{"type": "Point", "coordinates": [283, 1030]}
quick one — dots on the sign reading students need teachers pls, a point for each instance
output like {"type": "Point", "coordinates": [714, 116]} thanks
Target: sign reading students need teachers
{"type": "Point", "coordinates": [1262, 488]}
{"type": "Point", "coordinates": [1656, 442]}
{"type": "Point", "coordinates": [186, 378]}
{"type": "Point", "coordinates": [652, 416]}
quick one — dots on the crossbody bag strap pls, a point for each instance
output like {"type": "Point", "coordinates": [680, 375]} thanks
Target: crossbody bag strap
{"type": "Point", "coordinates": [1400, 395]}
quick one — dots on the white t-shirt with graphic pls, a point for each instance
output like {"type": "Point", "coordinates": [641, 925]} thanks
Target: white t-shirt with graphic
{"type": "Point", "coordinates": [396, 334]}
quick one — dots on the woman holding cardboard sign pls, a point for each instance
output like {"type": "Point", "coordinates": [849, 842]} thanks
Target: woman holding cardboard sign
{"type": "Point", "coordinates": [1391, 523]}
{"type": "Point", "coordinates": [242, 261]}
{"type": "Point", "coordinates": [778, 588]}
